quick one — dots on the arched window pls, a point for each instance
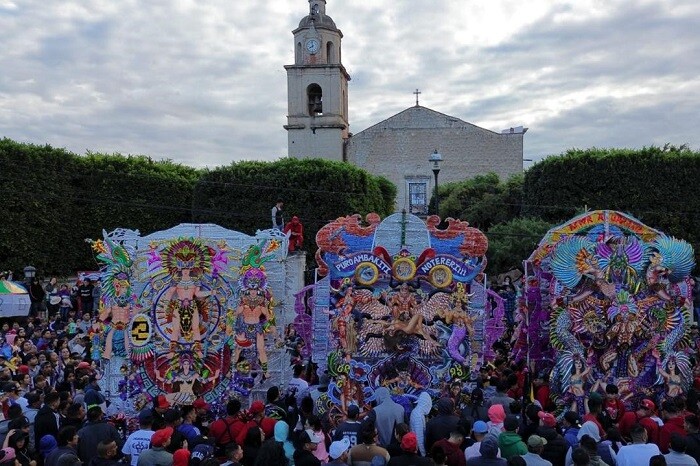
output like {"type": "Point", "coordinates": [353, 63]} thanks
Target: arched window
{"type": "Point", "coordinates": [297, 54]}
{"type": "Point", "coordinates": [330, 53]}
{"type": "Point", "coordinates": [315, 99]}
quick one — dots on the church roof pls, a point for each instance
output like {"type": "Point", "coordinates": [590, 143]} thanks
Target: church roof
{"type": "Point", "coordinates": [319, 21]}
{"type": "Point", "coordinates": [417, 117]}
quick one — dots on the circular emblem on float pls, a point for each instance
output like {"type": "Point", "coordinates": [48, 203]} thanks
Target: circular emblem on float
{"type": "Point", "coordinates": [404, 269]}
{"type": "Point", "coordinates": [140, 330]}
{"type": "Point", "coordinates": [440, 276]}
{"type": "Point", "coordinates": [366, 273]}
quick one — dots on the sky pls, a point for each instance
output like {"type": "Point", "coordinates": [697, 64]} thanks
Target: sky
{"type": "Point", "coordinates": [202, 82]}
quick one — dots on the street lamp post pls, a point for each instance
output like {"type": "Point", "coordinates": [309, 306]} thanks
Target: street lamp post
{"type": "Point", "coordinates": [435, 159]}
{"type": "Point", "coordinates": [29, 273]}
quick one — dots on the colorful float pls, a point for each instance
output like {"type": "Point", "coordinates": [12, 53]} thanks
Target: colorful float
{"type": "Point", "coordinates": [402, 304]}
{"type": "Point", "coordinates": [192, 312]}
{"type": "Point", "coordinates": [608, 300]}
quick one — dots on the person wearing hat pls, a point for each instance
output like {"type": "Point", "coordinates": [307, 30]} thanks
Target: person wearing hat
{"type": "Point", "coordinates": [8, 457]}
{"type": "Point", "coordinates": [181, 457]}
{"type": "Point", "coordinates": [479, 431]}
{"type": "Point", "coordinates": [338, 452]}
{"type": "Point", "coordinates": [510, 443]}
{"type": "Point", "coordinates": [350, 427]}
{"type": "Point", "coordinates": [201, 422]}
{"type": "Point", "coordinates": [140, 440]}
{"type": "Point", "coordinates": [642, 416]}
{"type": "Point", "coordinates": [18, 441]}
{"type": "Point", "coordinates": [257, 411]}
{"type": "Point", "coordinates": [488, 454]}
{"type": "Point", "coordinates": [306, 444]}
{"type": "Point", "coordinates": [441, 426]}
{"type": "Point", "coordinates": [95, 431]}
{"type": "Point", "coordinates": [555, 448]}
{"type": "Point", "coordinates": [674, 423]}
{"type": "Point", "coordinates": [409, 455]}
{"type": "Point", "coordinates": [571, 425]}
{"type": "Point", "coordinates": [157, 454]}
{"type": "Point", "coordinates": [366, 450]}
{"type": "Point", "coordinates": [187, 428]}
{"type": "Point", "coordinates": [160, 406]}
{"type": "Point", "coordinates": [535, 447]}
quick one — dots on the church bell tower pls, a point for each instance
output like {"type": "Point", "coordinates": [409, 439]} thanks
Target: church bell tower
{"type": "Point", "coordinates": [317, 89]}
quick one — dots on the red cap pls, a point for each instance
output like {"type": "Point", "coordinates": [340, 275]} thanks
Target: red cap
{"type": "Point", "coordinates": [409, 442]}
{"type": "Point", "coordinates": [83, 365]}
{"type": "Point", "coordinates": [548, 419]}
{"type": "Point", "coordinates": [161, 436]}
{"type": "Point", "coordinates": [23, 369]}
{"type": "Point", "coordinates": [199, 403]}
{"type": "Point", "coordinates": [162, 402]}
{"type": "Point", "coordinates": [647, 404]}
{"type": "Point", "coordinates": [257, 407]}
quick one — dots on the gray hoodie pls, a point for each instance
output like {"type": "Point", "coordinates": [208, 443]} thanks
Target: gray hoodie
{"type": "Point", "coordinates": [422, 409]}
{"type": "Point", "coordinates": [388, 413]}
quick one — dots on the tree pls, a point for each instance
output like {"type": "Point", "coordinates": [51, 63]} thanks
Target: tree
{"type": "Point", "coordinates": [512, 242]}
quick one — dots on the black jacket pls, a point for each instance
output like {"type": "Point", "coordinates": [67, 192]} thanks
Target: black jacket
{"type": "Point", "coordinates": [305, 458]}
{"type": "Point", "coordinates": [441, 425]}
{"type": "Point", "coordinates": [556, 448]}
{"type": "Point", "coordinates": [45, 423]}
{"type": "Point", "coordinates": [92, 434]}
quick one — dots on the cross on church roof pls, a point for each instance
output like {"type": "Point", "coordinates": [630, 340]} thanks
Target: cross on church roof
{"type": "Point", "coordinates": [417, 93]}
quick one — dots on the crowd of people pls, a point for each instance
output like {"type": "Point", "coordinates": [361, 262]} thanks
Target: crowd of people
{"type": "Point", "coordinates": [55, 414]}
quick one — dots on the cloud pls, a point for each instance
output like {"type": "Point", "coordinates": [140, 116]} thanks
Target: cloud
{"type": "Point", "coordinates": [203, 83]}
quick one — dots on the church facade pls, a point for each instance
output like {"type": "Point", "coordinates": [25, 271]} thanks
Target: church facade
{"type": "Point", "coordinates": [397, 148]}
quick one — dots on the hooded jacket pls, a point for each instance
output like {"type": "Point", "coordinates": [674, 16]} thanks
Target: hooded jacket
{"type": "Point", "coordinates": [674, 425]}
{"type": "Point", "coordinates": [511, 444]}
{"type": "Point", "coordinates": [441, 425]}
{"type": "Point", "coordinates": [387, 414]}
{"type": "Point", "coordinates": [282, 436]}
{"type": "Point", "coordinates": [590, 428]}
{"type": "Point", "coordinates": [417, 422]}
{"type": "Point", "coordinates": [496, 417]}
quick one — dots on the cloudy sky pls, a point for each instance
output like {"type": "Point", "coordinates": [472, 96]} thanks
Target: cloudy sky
{"type": "Point", "coordinates": [202, 82]}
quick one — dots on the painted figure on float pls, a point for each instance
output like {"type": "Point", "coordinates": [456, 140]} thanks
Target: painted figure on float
{"type": "Point", "coordinates": [618, 306]}
{"type": "Point", "coordinates": [187, 315]}
{"type": "Point", "coordinates": [405, 308]}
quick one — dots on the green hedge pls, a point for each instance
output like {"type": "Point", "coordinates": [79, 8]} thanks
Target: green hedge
{"type": "Point", "coordinates": [241, 196]}
{"type": "Point", "coordinates": [53, 199]}
{"type": "Point", "coordinates": [656, 185]}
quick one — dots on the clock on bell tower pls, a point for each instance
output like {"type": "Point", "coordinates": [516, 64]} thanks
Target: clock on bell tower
{"type": "Point", "coordinates": [317, 89]}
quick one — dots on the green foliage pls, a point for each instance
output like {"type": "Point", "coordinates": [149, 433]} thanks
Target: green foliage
{"type": "Point", "coordinates": [512, 242]}
{"type": "Point", "coordinates": [241, 196]}
{"type": "Point", "coordinates": [656, 185]}
{"type": "Point", "coordinates": [483, 200]}
{"type": "Point", "coordinates": [54, 200]}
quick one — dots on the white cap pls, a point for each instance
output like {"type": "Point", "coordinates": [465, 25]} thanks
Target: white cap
{"type": "Point", "coordinates": [339, 447]}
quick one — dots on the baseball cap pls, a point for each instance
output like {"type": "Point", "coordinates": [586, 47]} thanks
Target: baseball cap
{"type": "Point", "coordinates": [83, 365]}
{"type": "Point", "coordinates": [409, 442]}
{"type": "Point", "coordinates": [547, 419]}
{"type": "Point", "coordinates": [646, 403]}
{"type": "Point", "coordinates": [161, 436]}
{"type": "Point", "coordinates": [257, 407]}
{"type": "Point", "coordinates": [199, 403]}
{"type": "Point", "coordinates": [309, 436]}
{"type": "Point", "coordinates": [339, 447]}
{"type": "Point", "coordinates": [162, 402]}
{"type": "Point", "coordinates": [480, 427]}
{"type": "Point", "coordinates": [536, 441]}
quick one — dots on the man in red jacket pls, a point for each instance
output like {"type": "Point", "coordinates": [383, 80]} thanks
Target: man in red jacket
{"type": "Point", "coordinates": [673, 424]}
{"type": "Point", "coordinates": [643, 417]}
{"type": "Point", "coordinates": [451, 447]}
